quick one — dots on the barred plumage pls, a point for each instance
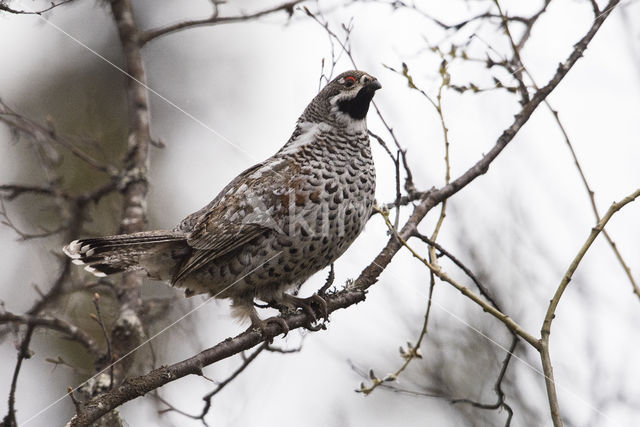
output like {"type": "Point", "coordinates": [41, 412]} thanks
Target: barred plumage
{"type": "Point", "coordinates": [276, 223]}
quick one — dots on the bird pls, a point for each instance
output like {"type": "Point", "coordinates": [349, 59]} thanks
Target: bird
{"type": "Point", "coordinates": [275, 224]}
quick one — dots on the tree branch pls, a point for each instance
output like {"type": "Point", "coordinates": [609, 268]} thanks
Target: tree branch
{"type": "Point", "coordinates": [71, 331]}
{"type": "Point", "coordinates": [501, 402]}
{"type": "Point", "coordinates": [442, 275]}
{"type": "Point", "coordinates": [246, 361]}
{"type": "Point", "coordinates": [548, 319]}
{"type": "Point", "coordinates": [370, 275]}
{"type": "Point", "coordinates": [215, 20]}
{"type": "Point", "coordinates": [15, 190]}
{"type": "Point", "coordinates": [3, 6]}
{"type": "Point", "coordinates": [23, 353]}
{"type": "Point", "coordinates": [135, 387]}
{"type": "Point", "coordinates": [592, 200]}
{"type": "Point", "coordinates": [47, 134]}
{"type": "Point", "coordinates": [128, 331]}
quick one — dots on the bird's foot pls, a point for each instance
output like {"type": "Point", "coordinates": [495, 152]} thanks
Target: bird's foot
{"type": "Point", "coordinates": [307, 305]}
{"type": "Point", "coordinates": [262, 325]}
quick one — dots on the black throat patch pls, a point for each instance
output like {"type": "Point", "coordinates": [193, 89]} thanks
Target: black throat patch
{"type": "Point", "coordinates": [358, 106]}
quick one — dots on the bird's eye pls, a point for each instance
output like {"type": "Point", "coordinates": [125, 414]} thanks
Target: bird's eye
{"type": "Point", "coordinates": [349, 81]}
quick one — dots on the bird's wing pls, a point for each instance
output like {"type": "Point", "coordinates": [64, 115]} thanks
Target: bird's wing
{"type": "Point", "coordinates": [242, 212]}
{"type": "Point", "coordinates": [209, 247]}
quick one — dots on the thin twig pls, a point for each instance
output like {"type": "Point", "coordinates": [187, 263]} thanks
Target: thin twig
{"type": "Point", "coordinates": [594, 207]}
{"type": "Point", "coordinates": [215, 19]}
{"type": "Point", "coordinates": [484, 291]}
{"type": "Point", "coordinates": [431, 198]}
{"type": "Point", "coordinates": [590, 192]}
{"type": "Point", "coordinates": [550, 315]}
{"type": "Point", "coordinates": [516, 61]}
{"type": "Point", "coordinates": [23, 235]}
{"type": "Point", "coordinates": [138, 386]}
{"type": "Point", "coordinates": [411, 353]}
{"type": "Point", "coordinates": [15, 190]}
{"type": "Point", "coordinates": [6, 8]}
{"type": "Point", "coordinates": [245, 363]}
{"type": "Point", "coordinates": [437, 270]}
{"type": "Point", "coordinates": [71, 331]}
{"type": "Point", "coordinates": [501, 402]}
{"type": "Point", "coordinates": [23, 353]}
{"type": "Point", "coordinates": [98, 318]}
{"type": "Point", "coordinates": [47, 134]}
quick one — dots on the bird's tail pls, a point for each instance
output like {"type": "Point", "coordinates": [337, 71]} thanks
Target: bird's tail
{"type": "Point", "coordinates": [156, 252]}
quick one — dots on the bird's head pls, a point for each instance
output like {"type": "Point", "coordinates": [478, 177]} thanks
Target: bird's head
{"type": "Point", "coordinates": [345, 99]}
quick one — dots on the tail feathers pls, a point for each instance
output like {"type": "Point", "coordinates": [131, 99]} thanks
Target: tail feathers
{"type": "Point", "coordinates": [155, 252]}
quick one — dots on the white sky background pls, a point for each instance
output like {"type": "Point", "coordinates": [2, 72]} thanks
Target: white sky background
{"type": "Point", "coordinates": [528, 216]}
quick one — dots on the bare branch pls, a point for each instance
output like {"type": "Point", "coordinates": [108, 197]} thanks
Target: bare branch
{"type": "Point", "coordinates": [3, 6]}
{"type": "Point", "coordinates": [484, 291]}
{"type": "Point", "coordinates": [13, 191]}
{"type": "Point", "coordinates": [413, 350]}
{"type": "Point", "coordinates": [437, 270]}
{"type": "Point", "coordinates": [518, 62]}
{"type": "Point", "coordinates": [6, 220]}
{"type": "Point", "coordinates": [517, 65]}
{"type": "Point", "coordinates": [215, 19]}
{"type": "Point", "coordinates": [100, 321]}
{"type": "Point", "coordinates": [23, 353]}
{"type": "Point", "coordinates": [47, 134]}
{"type": "Point", "coordinates": [411, 353]}
{"type": "Point", "coordinates": [432, 198]}
{"type": "Point", "coordinates": [127, 332]}
{"type": "Point", "coordinates": [527, 22]}
{"type": "Point", "coordinates": [501, 402]}
{"type": "Point", "coordinates": [134, 387]}
{"type": "Point", "coordinates": [389, 383]}
{"type": "Point", "coordinates": [548, 319]}
{"type": "Point", "coordinates": [592, 200]}
{"type": "Point", "coordinates": [71, 331]}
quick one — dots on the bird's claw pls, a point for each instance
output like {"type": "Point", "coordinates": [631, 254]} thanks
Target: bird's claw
{"type": "Point", "coordinates": [322, 305]}
{"type": "Point", "coordinates": [262, 325]}
{"type": "Point", "coordinates": [306, 304]}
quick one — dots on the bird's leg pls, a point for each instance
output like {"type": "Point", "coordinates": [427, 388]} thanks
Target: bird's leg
{"type": "Point", "coordinates": [327, 284]}
{"type": "Point", "coordinates": [261, 325]}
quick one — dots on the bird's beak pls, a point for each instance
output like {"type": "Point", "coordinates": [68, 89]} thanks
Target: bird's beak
{"type": "Point", "coordinates": [374, 85]}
